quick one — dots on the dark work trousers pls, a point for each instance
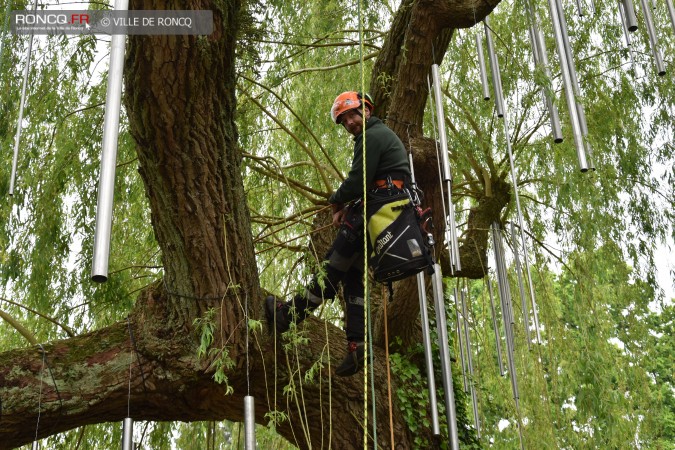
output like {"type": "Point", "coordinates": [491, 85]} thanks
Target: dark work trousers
{"type": "Point", "coordinates": [344, 264]}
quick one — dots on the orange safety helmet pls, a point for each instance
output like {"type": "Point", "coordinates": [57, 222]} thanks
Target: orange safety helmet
{"type": "Point", "coordinates": [349, 100]}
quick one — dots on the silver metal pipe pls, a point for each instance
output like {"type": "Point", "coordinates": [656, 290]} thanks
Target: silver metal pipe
{"type": "Point", "coordinates": [451, 233]}
{"type": "Point", "coordinates": [22, 102]}
{"type": "Point", "coordinates": [481, 65]}
{"type": "Point", "coordinates": [580, 8]}
{"type": "Point", "coordinates": [106, 187]}
{"type": "Point", "coordinates": [428, 356]}
{"type": "Point", "coordinates": [467, 339]}
{"type": "Point", "coordinates": [128, 434]}
{"type": "Point", "coordinates": [440, 117]}
{"type": "Point", "coordinates": [631, 19]}
{"type": "Point", "coordinates": [451, 226]}
{"type": "Point", "coordinates": [446, 370]}
{"type": "Point", "coordinates": [249, 422]}
{"type": "Point", "coordinates": [556, 129]}
{"type": "Point", "coordinates": [507, 314]}
{"type": "Point", "coordinates": [626, 33]}
{"type": "Point", "coordinates": [496, 328]}
{"type": "Point", "coordinates": [567, 83]}
{"type": "Point", "coordinates": [571, 67]}
{"type": "Point", "coordinates": [653, 39]}
{"type": "Point", "coordinates": [514, 181]}
{"type": "Point", "coordinates": [446, 231]}
{"type": "Point", "coordinates": [494, 68]}
{"type": "Point", "coordinates": [671, 13]}
{"type": "Point", "coordinates": [521, 286]}
{"type": "Point", "coordinates": [460, 340]}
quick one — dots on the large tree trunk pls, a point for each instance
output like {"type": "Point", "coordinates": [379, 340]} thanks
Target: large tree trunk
{"type": "Point", "coordinates": [180, 99]}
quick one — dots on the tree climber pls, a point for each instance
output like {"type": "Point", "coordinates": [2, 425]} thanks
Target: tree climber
{"type": "Point", "coordinates": [387, 171]}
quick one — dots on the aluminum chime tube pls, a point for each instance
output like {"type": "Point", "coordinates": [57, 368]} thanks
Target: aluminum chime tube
{"type": "Point", "coordinates": [428, 357]}
{"type": "Point", "coordinates": [541, 59]}
{"type": "Point", "coordinates": [106, 187]}
{"type": "Point", "coordinates": [460, 340]}
{"type": "Point", "coordinates": [671, 13]}
{"type": "Point", "coordinates": [567, 83]}
{"type": "Point", "coordinates": [653, 39]}
{"type": "Point", "coordinates": [507, 313]}
{"type": "Point", "coordinates": [451, 227]}
{"type": "Point", "coordinates": [581, 114]}
{"type": "Point", "coordinates": [496, 328]}
{"type": "Point", "coordinates": [626, 33]}
{"type": "Point", "coordinates": [19, 123]}
{"type": "Point", "coordinates": [521, 287]}
{"type": "Point", "coordinates": [446, 370]}
{"type": "Point", "coordinates": [556, 129]}
{"type": "Point", "coordinates": [514, 181]}
{"type": "Point", "coordinates": [128, 434]}
{"type": "Point", "coordinates": [580, 9]}
{"type": "Point", "coordinates": [426, 334]}
{"type": "Point", "coordinates": [249, 423]}
{"type": "Point", "coordinates": [494, 68]}
{"type": "Point", "coordinates": [467, 339]}
{"type": "Point", "coordinates": [481, 65]}
{"type": "Point", "coordinates": [631, 19]}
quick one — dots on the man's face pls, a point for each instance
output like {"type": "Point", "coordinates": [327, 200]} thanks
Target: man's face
{"type": "Point", "coordinates": [353, 122]}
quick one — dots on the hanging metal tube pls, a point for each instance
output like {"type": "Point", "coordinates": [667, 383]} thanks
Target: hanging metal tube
{"type": "Point", "coordinates": [451, 226]}
{"type": "Point", "coordinates": [440, 117]}
{"type": "Point", "coordinates": [567, 83]}
{"type": "Point", "coordinates": [428, 357]}
{"type": "Point", "coordinates": [538, 39]}
{"type": "Point", "coordinates": [494, 68]}
{"type": "Point", "coordinates": [495, 326]}
{"type": "Point", "coordinates": [521, 286]}
{"type": "Point", "coordinates": [580, 8]}
{"type": "Point", "coordinates": [460, 345]}
{"type": "Point", "coordinates": [128, 434]}
{"type": "Point", "coordinates": [626, 33]}
{"type": "Point", "coordinates": [671, 13]}
{"type": "Point", "coordinates": [249, 422]}
{"type": "Point", "coordinates": [446, 370]}
{"type": "Point", "coordinates": [481, 65]}
{"type": "Point", "coordinates": [507, 314]}
{"type": "Point", "coordinates": [22, 102]}
{"type": "Point", "coordinates": [631, 19]}
{"type": "Point", "coordinates": [571, 67]}
{"type": "Point", "coordinates": [426, 334]}
{"type": "Point", "coordinates": [106, 187]}
{"type": "Point", "coordinates": [514, 181]}
{"type": "Point", "coordinates": [556, 129]}
{"type": "Point", "coordinates": [467, 336]}
{"type": "Point", "coordinates": [653, 39]}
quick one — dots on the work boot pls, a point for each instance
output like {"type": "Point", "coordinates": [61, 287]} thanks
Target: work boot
{"type": "Point", "coordinates": [353, 362]}
{"type": "Point", "coordinates": [280, 315]}
{"type": "Point", "coordinates": [277, 314]}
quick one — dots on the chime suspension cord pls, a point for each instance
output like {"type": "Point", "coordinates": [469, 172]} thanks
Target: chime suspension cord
{"type": "Point", "coordinates": [42, 368]}
{"type": "Point", "coordinates": [366, 297]}
{"type": "Point", "coordinates": [19, 123]}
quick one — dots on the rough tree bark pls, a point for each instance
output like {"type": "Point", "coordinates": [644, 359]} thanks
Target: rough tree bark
{"type": "Point", "coordinates": [180, 99]}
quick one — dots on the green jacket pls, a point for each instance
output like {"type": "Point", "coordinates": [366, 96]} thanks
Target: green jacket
{"type": "Point", "coordinates": [385, 155]}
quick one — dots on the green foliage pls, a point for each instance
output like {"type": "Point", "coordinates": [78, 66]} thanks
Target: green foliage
{"type": "Point", "coordinates": [602, 376]}
{"type": "Point", "coordinates": [218, 357]}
